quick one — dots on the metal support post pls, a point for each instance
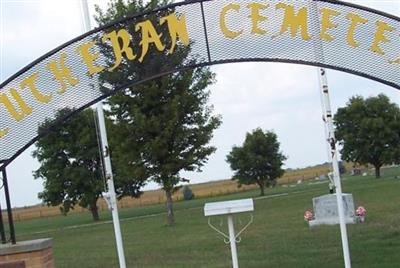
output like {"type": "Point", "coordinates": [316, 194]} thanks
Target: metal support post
{"type": "Point", "coordinates": [111, 195]}
{"type": "Point", "coordinates": [8, 203]}
{"type": "Point", "coordinates": [2, 232]}
{"type": "Point", "coordinates": [331, 184]}
{"type": "Point", "coordinates": [232, 241]}
{"type": "Point", "coordinates": [333, 153]}
{"type": "Point", "coordinates": [329, 132]}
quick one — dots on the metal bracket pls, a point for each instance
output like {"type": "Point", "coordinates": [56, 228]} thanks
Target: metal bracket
{"type": "Point", "coordinates": [244, 228]}
{"type": "Point", "coordinates": [237, 236]}
{"type": "Point", "coordinates": [218, 231]}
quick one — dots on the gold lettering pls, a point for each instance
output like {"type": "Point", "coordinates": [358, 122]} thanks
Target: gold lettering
{"type": "Point", "coordinates": [176, 27]}
{"type": "Point", "coordinates": [327, 23]}
{"type": "Point", "coordinates": [222, 22]}
{"type": "Point", "coordinates": [355, 21]}
{"type": "Point", "coordinates": [30, 83]}
{"type": "Point", "coordinates": [293, 21]}
{"type": "Point", "coordinates": [119, 47]}
{"type": "Point", "coordinates": [62, 73]}
{"type": "Point", "coordinates": [4, 132]}
{"type": "Point", "coordinates": [381, 28]}
{"type": "Point", "coordinates": [149, 35]}
{"type": "Point", "coordinates": [25, 110]}
{"type": "Point", "coordinates": [395, 61]}
{"type": "Point", "coordinates": [256, 17]}
{"type": "Point", "coordinates": [89, 58]}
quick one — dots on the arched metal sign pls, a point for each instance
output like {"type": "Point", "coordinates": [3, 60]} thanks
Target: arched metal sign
{"type": "Point", "coordinates": [186, 35]}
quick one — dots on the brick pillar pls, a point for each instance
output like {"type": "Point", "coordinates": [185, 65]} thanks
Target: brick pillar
{"type": "Point", "coordinates": [27, 254]}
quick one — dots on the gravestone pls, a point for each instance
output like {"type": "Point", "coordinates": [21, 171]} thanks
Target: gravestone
{"type": "Point", "coordinates": [326, 210]}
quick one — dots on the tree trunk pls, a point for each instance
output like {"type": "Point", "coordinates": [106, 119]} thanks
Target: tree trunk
{"type": "Point", "coordinates": [169, 205]}
{"type": "Point", "coordinates": [377, 172]}
{"type": "Point", "coordinates": [95, 211]}
{"type": "Point", "coordinates": [261, 185]}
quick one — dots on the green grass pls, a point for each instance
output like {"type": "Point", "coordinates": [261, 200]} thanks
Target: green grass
{"type": "Point", "coordinates": [279, 237]}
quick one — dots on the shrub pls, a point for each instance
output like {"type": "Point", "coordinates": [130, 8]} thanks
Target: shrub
{"type": "Point", "coordinates": [187, 193]}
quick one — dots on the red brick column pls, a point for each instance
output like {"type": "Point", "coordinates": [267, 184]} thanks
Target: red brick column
{"type": "Point", "coordinates": [28, 254]}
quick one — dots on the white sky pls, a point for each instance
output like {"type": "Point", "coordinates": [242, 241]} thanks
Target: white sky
{"type": "Point", "coordinates": [280, 97]}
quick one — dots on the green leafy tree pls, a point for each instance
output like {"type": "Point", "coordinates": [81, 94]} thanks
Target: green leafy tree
{"type": "Point", "coordinates": [368, 130]}
{"type": "Point", "coordinates": [162, 126]}
{"type": "Point", "coordinates": [258, 160]}
{"type": "Point", "coordinates": [70, 165]}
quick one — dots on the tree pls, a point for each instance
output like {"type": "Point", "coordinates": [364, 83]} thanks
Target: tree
{"type": "Point", "coordinates": [368, 130]}
{"type": "Point", "coordinates": [70, 165]}
{"type": "Point", "coordinates": [258, 160]}
{"type": "Point", "coordinates": [162, 126]}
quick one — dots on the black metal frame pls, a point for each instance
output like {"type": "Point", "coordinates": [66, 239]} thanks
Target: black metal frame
{"type": "Point", "coordinates": [5, 162]}
{"type": "Point", "coordinates": [2, 231]}
{"type": "Point", "coordinates": [9, 209]}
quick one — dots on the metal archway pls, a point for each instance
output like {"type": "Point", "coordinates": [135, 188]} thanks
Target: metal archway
{"type": "Point", "coordinates": [187, 35]}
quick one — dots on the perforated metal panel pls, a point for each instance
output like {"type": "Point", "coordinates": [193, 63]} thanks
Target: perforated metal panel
{"type": "Point", "coordinates": [219, 31]}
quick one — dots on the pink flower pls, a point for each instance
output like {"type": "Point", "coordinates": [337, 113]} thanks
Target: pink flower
{"type": "Point", "coordinates": [361, 211]}
{"type": "Point", "coordinates": [308, 215]}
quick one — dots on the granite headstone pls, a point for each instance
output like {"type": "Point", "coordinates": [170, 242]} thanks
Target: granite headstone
{"type": "Point", "coordinates": [326, 210]}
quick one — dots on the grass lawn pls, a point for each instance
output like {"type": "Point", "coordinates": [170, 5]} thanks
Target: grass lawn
{"type": "Point", "coordinates": [279, 236]}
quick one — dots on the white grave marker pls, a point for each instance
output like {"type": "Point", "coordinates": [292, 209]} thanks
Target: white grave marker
{"type": "Point", "coordinates": [229, 208]}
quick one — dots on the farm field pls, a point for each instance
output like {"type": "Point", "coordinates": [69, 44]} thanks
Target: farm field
{"type": "Point", "coordinates": [279, 236]}
{"type": "Point", "coordinates": [208, 189]}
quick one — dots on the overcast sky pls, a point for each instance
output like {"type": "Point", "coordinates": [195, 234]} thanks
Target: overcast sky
{"type": "Point", "coordinates": [280, 97]}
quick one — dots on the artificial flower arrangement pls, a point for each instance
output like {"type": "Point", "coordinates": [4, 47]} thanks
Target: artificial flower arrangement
{"type": "Point", "coordinates": [361, 212]}
{"type": "Point", "coordinates": [308, 215]}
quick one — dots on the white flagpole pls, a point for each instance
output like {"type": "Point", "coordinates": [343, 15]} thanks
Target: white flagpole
{"type": "Point", "coordinates": [330, 133]}
{"type": "Point", "coordinates": [111, 196]}
{"type": "Point", "coordinates": [232, 241]}
{"type": "Point", "coordinates": [327, 112]}
{"type": "Point", "coordinates": [328, 147]}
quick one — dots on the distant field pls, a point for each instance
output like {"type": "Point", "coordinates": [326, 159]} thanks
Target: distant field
{"type": "Point", "coordinates": [279, 237]}
{"type": "Point", "coordinates": [157, 197]}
